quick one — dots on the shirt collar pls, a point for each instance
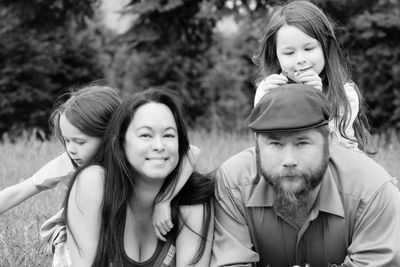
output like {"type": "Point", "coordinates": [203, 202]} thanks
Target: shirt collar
{"type": "Point", "coordinates": [329, 197]}
{"type": "Point", "coordinates": [262, 195]}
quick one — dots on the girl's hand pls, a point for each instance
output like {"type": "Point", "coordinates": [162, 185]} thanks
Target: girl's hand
{"type": "Point", "coordinates": [162, 222]}
{"type": "Point", "coordinates": [310, 77]}
{"type": "Point", "coordinates": [272, 81]}
{"type": "Point", "coordinates": [162, 219]}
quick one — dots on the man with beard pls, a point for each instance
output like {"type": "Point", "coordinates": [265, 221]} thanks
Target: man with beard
{"type": "Point", "coordinates": [297, 200]}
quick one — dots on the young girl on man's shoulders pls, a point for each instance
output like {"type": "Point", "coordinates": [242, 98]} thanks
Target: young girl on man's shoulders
{"type": "Point", "coordinates": [299, 45]}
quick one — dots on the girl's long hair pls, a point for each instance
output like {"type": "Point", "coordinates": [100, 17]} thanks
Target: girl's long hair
{"type": "Point", "coordinates": [312, 21]}
{"type": "Point", "coordinates": [89, 108]}
{"type": "Point", "coordinates": [120, 178]}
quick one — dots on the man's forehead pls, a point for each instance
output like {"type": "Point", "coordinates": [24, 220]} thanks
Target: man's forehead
{"type": "Point", "coordinates": [310, 133]}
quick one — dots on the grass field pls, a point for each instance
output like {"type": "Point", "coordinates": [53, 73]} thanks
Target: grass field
{"type": "Point", "coordinates": [20, 244]}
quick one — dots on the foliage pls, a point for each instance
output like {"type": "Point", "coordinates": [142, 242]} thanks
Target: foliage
{"type": "Point", "coordinates": [41, 55]}
{"type": "Point", "coordinates": [374, 38]}
{"type": "Point", "coordinates": [47, 45]}
{"type": "Point", "coordinates": [167, 46]}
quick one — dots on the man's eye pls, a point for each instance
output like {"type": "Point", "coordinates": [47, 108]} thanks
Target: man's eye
{"type": "Point", "coordinates": [275, 144]}
{"type": "Point", "coordinates": [302, 143]}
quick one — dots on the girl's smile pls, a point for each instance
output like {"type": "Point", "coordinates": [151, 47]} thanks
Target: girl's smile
{"type": "Point", "coordinates": [298, 52]}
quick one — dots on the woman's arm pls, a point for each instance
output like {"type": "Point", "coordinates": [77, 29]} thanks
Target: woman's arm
{"type": "Point", "coordinates": [189, 240]}
{"type": "Point", "coordinates": [84, 216]}
{"type": "Point", "coordinates": [162, 211]}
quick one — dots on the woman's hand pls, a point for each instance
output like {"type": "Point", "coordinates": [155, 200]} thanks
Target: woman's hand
{"type": "Point", "coordinates": [162, 219]}
{"type": "Point", "coordinates": [272, 81]}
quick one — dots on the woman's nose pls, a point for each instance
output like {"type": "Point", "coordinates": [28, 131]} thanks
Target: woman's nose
{"type": "Point", "coordinates": [158, 144]}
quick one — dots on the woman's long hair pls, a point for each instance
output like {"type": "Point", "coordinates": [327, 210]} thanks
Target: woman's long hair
{"type": "Point", "coordinates": [311, 20]}
{"type": "Point", "coordinates": [120, 177]}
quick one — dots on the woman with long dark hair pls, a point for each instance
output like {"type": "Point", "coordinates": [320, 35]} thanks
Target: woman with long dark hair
{"type": "Point", "coordinates": [109, 206]}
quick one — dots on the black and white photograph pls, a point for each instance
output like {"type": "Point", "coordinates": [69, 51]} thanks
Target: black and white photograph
{"type": "Point", "coordinates": [177, 133]}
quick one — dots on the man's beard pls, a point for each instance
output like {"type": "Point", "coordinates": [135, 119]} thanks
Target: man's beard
{"type": "Point", "coordinates": [292, 202]}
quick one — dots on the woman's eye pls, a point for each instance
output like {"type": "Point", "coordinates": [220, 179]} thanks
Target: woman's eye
{"type": "Point", "coordinates": [169, 135]}
{"type": "Point", "coordinates": [145, 135]}
{"type": "Point", "coordinates": [309, 48]}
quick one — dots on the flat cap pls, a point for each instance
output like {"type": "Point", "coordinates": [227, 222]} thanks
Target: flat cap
{"type": "Point", "coordinates": [290, 107]}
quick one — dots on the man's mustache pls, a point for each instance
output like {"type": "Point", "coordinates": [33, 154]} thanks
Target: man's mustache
{"type": "Point", "coordinates": [292, 173]}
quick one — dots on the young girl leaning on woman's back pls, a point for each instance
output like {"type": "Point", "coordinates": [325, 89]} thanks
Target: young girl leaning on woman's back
{"type": "Point", "coordinates": [299, 45]}
{"type": "Point", "coordinates": [80, 123]}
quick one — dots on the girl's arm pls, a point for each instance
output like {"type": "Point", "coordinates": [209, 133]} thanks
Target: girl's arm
{"type": "Point", "coordinates": [189, 240]}
{"type": "Point", "coordinates": [14, 195]}
{"type": "Point", "coordinates": [47, 177]}
{"type": "Point", "coordinates": [84, 216]}
{"type": "Point", "coordinates": [162, 211]}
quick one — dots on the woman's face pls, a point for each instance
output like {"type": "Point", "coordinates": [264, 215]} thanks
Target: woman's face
{"type": "Point", "coordinates": [151, 141]}
{"type": "Point", "coordinates": [298, 52]}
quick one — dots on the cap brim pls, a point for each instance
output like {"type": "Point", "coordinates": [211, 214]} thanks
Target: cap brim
{"type": "Point", "coordinates": [291, 129]}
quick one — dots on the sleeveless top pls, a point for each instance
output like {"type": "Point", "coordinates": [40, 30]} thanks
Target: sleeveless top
{"type": "Point", "coordinates": [164, 256]}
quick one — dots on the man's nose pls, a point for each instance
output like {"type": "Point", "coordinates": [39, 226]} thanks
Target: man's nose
{"type": "Point", "coordinates": [289, 157]}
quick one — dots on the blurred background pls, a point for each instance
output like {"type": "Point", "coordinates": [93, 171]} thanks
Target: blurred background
{"type": "Point", "coordinates": [201, 48]}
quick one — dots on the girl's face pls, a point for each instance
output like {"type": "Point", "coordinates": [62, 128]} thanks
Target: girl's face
{"type": "Point", "coordinates": [79, 146]}
{"type": "Point", "coordinates": [298, 52]}
{"type": "Point", "coordinates": [151, 141]}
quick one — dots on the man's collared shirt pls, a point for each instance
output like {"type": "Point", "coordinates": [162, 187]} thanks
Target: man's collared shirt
{"type": "Point", "coordinates": [355, 220]}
